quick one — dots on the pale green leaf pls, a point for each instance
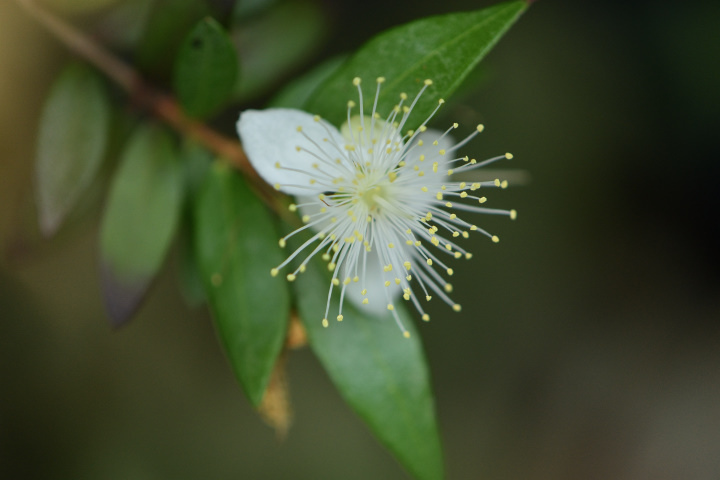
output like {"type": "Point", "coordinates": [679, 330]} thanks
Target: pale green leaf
{"type": "Point", "coordinates": [72, 141]}
{"type": "Point", "coordinates": [139, 219]}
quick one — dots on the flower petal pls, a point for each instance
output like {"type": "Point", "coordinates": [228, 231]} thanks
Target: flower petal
{"type": "Point", "coordinates": [271, 137]}
{"type": "Point", "coordinates": [377, 293]}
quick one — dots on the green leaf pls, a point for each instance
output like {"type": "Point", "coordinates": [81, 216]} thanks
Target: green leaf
{"type": "Point", "coordinates": [165, 30]}
{"type": "Point", "coordinates": [236, 245]}
{"type": "Point", "coordinates": [206, 69]}
{"type": "Point", "coordinates": [444, 49]}
{"type": "Point", "coordinates": [72, 141]}
{"type": "Point", "coordinates": [139, 220]}
{"type": "Point", "coordinates": [381, 374]}
{"type": "Point", "coordinates": [275, 44]}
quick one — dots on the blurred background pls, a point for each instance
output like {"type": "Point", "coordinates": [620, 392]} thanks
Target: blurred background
{"type": "Point", "coordinates": [588, 343]}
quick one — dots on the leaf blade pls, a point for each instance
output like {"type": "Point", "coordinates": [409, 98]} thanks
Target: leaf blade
{"type": "Point", "coordinates": [429, 48]}
{"type": "Point", "coordinates": [72, 141]}
{"type": "Point", "coordinates": [140, 218]}
{"type": "Point", "coordinates": [206, 69]}
{"type": "Point", "coordinates": [236, 244]}
{"type": "Point", "coordinates": [382, 375]}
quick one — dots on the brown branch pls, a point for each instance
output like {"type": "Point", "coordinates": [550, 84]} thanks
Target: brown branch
{"type": "Point", "coordinates": [162, 105]}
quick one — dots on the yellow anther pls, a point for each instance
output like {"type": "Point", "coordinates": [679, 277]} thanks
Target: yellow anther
{"type": "Point", "coordinates": [277, 165]}
{"type": "Point", "coordinates": [429, 261]}
{"type": "Point", "coordinates": [442, 152]}
{"type": "Point", "coordinates": [365, 301]}
{"type": "Point", "coordinates": [426, 317]}
{"type": "Point", "coordinates": [305, 218]}
{"type": "Point", "coordinates": [331, 266]}
{"type": "Point", "coordinates": [475, 186]}
{"type": "Point", "coordinates": [291, 277]}
{"type": "Point", "coordinates": [448, 287]}
{"type": "Point", "coordinates": [406, 296]}
{"type": "Point", "coordinates": [458, 254]}
{"type": "Point", "coordinates": [380, 80]}
{"type": "Point", "coordinates": [299, 129]}
{"type": "Point", "coordinates": [435, 167]}
{"type": "Point", "coordinates": [274, 272]}
{"type": "Point", "coordinates": [302, 268]}
{"type": "Point", "coordinates": [463, 194]}
{"type": "Point", "coordinates": [435, 241]}
{"type": "Point", "coordinates": [417, 243]}
{"type": "Point", "coordinates": [441, 101]}
{"type": "Point", "coordinates": [456, 234]}
{"type": "Point", "coordinates": [473, 228]}
{"type": "Point", "coordinates": [480, 127]}
{"type": "Point", "coordinates": [450, 271]}
{"type": "Point", "coordinates": [465, 235]}
{"type": "Point", "coordinates": [350, 104]}
{"type": "Point", "coordinates": [364, 291]}
{"type": "Point", "coordinates": [397, 281]}
{"type": "Point", "coordinates": [347, 281]}
{"type": "Point", "coordinates": [387, 283]}
{"type": "Point", "coordinates": [408, 278]}
{"type": "Point", "coordinates": [390, 306]}
{"type": "Point", "coordinates": [448, 247]}
{"type": "Point", "coordinates": [391, 245]}
{"type": "Point", "coordinates": [439, 196]}
{"type": "Point", "coordinates": [504, 184]}
{"type": "Point", "coordinates": [448, 205]}
{"type": "Point", "coordinates": [428, 82]}
{"type": "Point", "coordinates": [340, 318]}
{"type": "Point", "coordinates": [292, 207]}
{"type": "Point", "coordinates": [457, 307]}
{"type": "Point", "coordinates": [325, 322]}
{"type": "Point", "coordinates": [408, 242]}
{"type": "Point", "coordinates": [450, 172]}
{"type": "Point", "coordinates": [407, 265]}
{"type": "Point", "coordinates": [482, 199]}
{"type": "Point", "coordinates": [497, 182]}
{"type": "Point", "coordinates": [403, 96]}
{"type": "Point", "coordinates": [282, 243]}
{"type": "Point", "coordinates": [276, 186]}
{"type": "Point", "coordinates": [316, 118]}
{"type": "Point", "coordinates": [509, 156]}
{"type": "Point", "coordinates": [406, 334]}
{"type": "Point", "coordinates": [336, 282]}
{"type": "Point", "coordinates": [468, 256]}
{"type": "Point", "coordinates": [428, 297]}
{"type": "Point", "coordinates": [513, 214]}
{"type": "Point", "coordinates": [424, 189]}
{"type": "Point", "coordinates": [495, 239]}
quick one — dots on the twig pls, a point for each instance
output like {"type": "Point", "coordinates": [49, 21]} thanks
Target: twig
{"type": "Point", "coordinates": [160, 104]}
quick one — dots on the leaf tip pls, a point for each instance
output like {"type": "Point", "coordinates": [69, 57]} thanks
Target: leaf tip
{"type": "Point", "coordinates": [121, 296]}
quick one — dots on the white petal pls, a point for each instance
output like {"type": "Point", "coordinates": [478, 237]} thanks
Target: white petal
{"type": "Point", "coordinates": [432, 152]}
{"type": "Point", "coordinates": [271, 137]}
{"type": "Point", "coordinates": [377, 292]}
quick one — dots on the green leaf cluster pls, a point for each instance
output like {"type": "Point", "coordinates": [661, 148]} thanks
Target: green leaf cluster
{"type": "Point", "coordinates": [165, 187]}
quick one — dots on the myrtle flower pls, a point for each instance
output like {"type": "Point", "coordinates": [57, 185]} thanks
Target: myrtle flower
{"type": "Point", "coordinates": [380, 203]}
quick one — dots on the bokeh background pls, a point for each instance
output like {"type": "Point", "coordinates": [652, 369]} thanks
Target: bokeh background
{"type": "Point", "coordinates": [588, 343]}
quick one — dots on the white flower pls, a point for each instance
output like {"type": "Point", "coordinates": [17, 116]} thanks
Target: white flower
{"type": "Point", "coordinates": [379, 201]}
